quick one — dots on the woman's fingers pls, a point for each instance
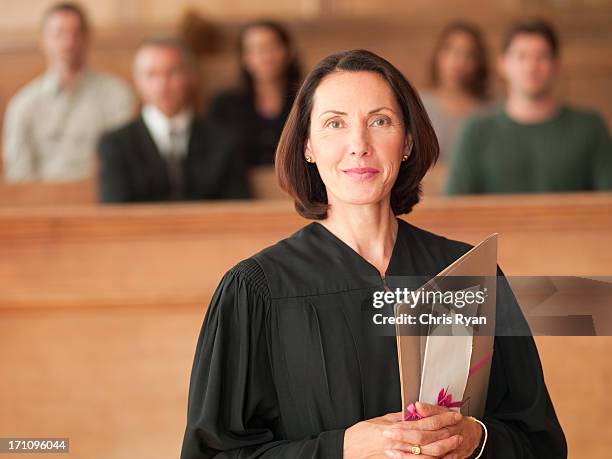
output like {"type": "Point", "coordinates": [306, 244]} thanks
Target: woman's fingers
{"type": "Point", "coordinates": [426, 409]}
{"type": "Point", "coordinates": [394, 417]}
{"type": "Point", "coordinates": [434, 435]}
{"type": "Point", "coordinates": [436, 449]}
{"type": "Point", "coordinates": [437, 421]}
{"type": "Point", "coordinates": [396, 454]}
{"type": "Point", "coordinates": [442, 447]}
{"type": "Point", "coordinates": [405, 434]}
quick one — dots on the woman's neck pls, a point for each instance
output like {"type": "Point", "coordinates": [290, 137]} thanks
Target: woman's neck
{"type": "Point", "coordinates": [369, 230]}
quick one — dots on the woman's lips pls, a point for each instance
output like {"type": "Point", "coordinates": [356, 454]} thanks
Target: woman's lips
{"type": "Point", "coordinates": [361, 173]}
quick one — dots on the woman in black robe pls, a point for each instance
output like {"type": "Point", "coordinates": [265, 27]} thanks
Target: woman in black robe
{"type": "Point", "coordinates": [283, 367]}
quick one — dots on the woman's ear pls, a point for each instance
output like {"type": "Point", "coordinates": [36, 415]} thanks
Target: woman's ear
{"type": "Point", "coordinates": [408, 144]}
{"type": "Point", "coordinates": [308, 156]}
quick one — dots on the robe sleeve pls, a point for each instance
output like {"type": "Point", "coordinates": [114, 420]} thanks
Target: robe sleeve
{"type": "Point", "coordinates": [233, 411]}
{"type": "Point", "coordinates": [519, 414]}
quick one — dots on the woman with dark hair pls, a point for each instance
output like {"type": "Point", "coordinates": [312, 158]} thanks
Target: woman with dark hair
{"type": "Point", "coordinates": [270, 77]}
{"type": "Point", "coordinates": [285, 365]}
{"type": "Point", "coordinates": [458, 79]}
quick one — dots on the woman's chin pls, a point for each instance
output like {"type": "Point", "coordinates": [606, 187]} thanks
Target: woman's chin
{"type": "Point", "coordinates": [362, 198]}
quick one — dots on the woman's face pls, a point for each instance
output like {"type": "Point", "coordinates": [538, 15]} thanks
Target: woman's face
{"type": "Point", "coordinates": [457, 59]}
{"type": "Point", "coordinates": [357, 137]}
{"type": "Point", "coordinates": [264, 55]}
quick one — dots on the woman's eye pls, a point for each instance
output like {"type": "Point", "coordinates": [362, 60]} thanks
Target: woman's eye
{"type": "Point", "coordinates": [380, 122]}
{"type": "Point", "coordinates": [334, 124]}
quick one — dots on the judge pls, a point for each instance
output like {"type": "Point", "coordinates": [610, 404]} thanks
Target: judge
{"type": "Point", "coordinates": [282, 367]}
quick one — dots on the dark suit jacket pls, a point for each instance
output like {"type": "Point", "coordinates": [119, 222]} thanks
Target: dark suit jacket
{"type": "Point", "coordinates": [132, 169]}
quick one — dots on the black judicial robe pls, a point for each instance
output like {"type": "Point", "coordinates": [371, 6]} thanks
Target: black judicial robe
{"type": "Point", "coordinates": [282, 367]}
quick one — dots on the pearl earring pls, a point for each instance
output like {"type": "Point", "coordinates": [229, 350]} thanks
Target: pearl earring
{"type": "Point", "coordinates": [405, 155]}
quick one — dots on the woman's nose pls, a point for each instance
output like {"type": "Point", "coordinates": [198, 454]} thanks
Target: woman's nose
{"type": "Point", "coordinates": [359, 145]}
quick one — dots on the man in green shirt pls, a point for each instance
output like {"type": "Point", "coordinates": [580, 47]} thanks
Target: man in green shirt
{"type": "Point", "coordinates": [533, 143]}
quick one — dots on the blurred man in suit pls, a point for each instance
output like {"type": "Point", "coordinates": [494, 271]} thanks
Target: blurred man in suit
{"type": "Point", "coordinates": [534, 143]}
{"type": "Point", "coordinates": [53, 124]}
{"type": "Point", "coordinates": [168, 153]}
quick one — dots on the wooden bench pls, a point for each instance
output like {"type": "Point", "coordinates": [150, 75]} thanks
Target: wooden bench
{"type": "Point", "coordinates": [262, 181]}
{"type": "Point", "coordinates": [100, 308]}
{"type": "Point", "coordinates": [48, 193]}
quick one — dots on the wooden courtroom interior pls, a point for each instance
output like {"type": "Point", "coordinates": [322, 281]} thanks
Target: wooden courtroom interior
{"type": "Point", "coordinates": [100, 307]}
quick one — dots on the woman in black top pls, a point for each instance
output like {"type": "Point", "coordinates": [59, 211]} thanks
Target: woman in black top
{"type": "Point", "coordinates": [283, 365]}
{"type": "Point", "coordinates": [270, 77]}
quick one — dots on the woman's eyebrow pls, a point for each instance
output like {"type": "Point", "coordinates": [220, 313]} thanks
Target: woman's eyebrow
{"type": "Point", "coordinates": [332, 111]}
{"type": "Point", "coordinates": [380, 109]}
{"type": "Point", "coordinates": [337, 112]}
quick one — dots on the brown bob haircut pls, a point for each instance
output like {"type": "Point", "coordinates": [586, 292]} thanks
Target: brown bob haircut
{"type": "Point", "coordinates": [301, 180]}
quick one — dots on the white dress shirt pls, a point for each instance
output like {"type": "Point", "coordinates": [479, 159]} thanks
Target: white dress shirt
{"type": "Point", "coordinates": [171, 135]}
{"type": "Point", "coordinates": [51, 133]}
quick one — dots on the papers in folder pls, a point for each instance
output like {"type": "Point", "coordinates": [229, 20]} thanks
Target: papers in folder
{"type": "Point", "coordinates": [446, 357]}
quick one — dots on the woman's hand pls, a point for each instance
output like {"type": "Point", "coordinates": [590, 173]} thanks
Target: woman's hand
{"type": "Point", "coordinates": [389, 436]}
{"type": "Point", "coordinates": [469, 430]}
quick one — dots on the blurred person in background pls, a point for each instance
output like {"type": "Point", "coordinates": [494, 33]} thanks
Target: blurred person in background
{"type": "Point", "coordinates": [168, 153]}
{"type": "Point", "coordinates": [459, 77]}
{"type": "Point", "coordinates": [270, 77]}
{"type": "Point", "coordinates": [535, 142]}
{"type": "Point", "coordinates": [52, 124]}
